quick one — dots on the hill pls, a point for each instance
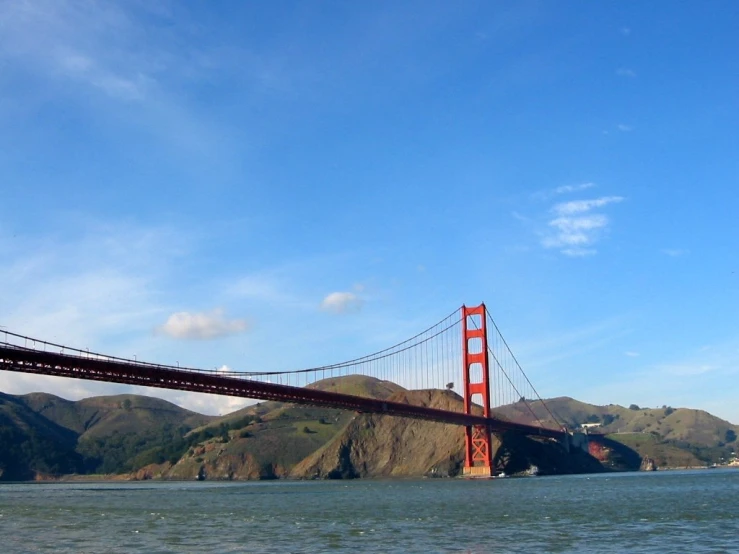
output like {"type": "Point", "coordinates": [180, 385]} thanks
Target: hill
{"type": "Point", "coordinates": [31, 444]}
{"type": "Point", "coordinates": [674, 437]}
{"type": "Point", "coordinates": [142, 437]}
{"type": "Point", "coordinates": [267, 440]}
{"type": "Point", "coordinates": [47, 435]}
{"type": "Point", "coordinates": [274, 440]}
{"type": "Point", "coordinates": [374, 445]}
{"type": "Point", "coordinates": [102, 416]}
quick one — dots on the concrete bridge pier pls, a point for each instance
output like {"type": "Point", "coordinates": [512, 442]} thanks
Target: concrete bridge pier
{"type": "Point", "coordinates": [575, 441]}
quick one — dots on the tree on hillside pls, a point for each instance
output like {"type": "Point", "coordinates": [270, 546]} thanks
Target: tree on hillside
{"type": "Point", "coordinates": [634, 407]}
{"type": "Point", "coordinates": [608, 419]}
{"type": "Point", "coordinates": [669, 410]}
{"type": "Point", "coordinates": [730, 435]}
{"type": "Point", "coordinates": [223, 431]}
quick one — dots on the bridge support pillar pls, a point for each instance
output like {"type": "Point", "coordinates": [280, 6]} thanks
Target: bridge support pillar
{"type": "Point", "coordinates": [476, 378]}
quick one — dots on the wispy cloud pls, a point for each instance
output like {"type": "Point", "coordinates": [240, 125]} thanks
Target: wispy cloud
{"type": "Point", "coordinates": [557, 191]}
{"type": "Point", "coordinates": [565, 346]}
{"type": "Point", "coordinates": [93, 44]}
{"type": "Point", "coordinates": [626, 72]}
{"type": "Point", "coordinates": [269, 287]}
{"type": "Point", "coordinates": [341, 303]}
{"type": "Point", "coordinates": [100, 290]}
{"type": "Point", "coordinates": [202, 325]}
{"type": "Point", "coordinates": [631, 354]}
{"type": "Point", "coordinates": [566, 189]}
{"type": "Point", "coordinates": [697, 378]}
{"type": "Point", "coordinates": [117, 86]}
{"type": "Point", "coordinates": [580, 206]}
{"type": "Point", "coordinates": [78, 289]}
{"type": "Point", "coordinates": [625, 31]}
{"type": "Point", "coordinates": [575, 228]}
{"type": "Point", "coordinates": [682, 370]}
{"type": "Point", "coordinates": [579, 252]}
{"type": "Point", "coordinates": [96, 55]}
{"type": "Point", "coordinates": [675, 252]}
{"type": "Point", "coordinates": [624, 128]}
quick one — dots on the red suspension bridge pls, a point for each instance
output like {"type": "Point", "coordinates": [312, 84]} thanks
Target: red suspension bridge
{"type": "Point", "coordinates": [468, 339]}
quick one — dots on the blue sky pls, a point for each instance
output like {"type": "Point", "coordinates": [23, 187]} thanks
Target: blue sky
{"type": "Point", "coordinates": [277, 185]}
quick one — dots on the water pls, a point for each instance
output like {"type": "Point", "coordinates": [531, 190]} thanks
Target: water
{"type": "Point", "coordinates": [637, 512]}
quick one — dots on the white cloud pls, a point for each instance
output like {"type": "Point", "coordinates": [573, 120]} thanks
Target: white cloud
{"type": "Point", "coordinates": [626, 31]}
{"type": "Point", "coordinates": [209, 404]}
{"type": "Point", "coordinates": [579, 206]}
{"type": "Point", "coordinates": [574, 231]}
{"type": "Point", "coordinates": [341, 303]}
{"type": "Point", "coordinates": [626, 72]}
{"type": "Point", "coordinates": [564, 189]}
{"type": "Point", "coordinates": [631, 354]}
{"type": "Point", "coordinates": [624, 128]}
{"type": "Point", "coordinates": [575, 228]}
{"type": "Point", "coordinates": [203, 325]}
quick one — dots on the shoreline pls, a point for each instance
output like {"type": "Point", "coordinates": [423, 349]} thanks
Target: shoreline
{"type": "Point", "coordinates": [123, 478]}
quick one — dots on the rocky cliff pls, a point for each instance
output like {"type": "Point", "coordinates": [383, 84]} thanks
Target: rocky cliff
{"type": "Point", "coordinates": [385, 446]}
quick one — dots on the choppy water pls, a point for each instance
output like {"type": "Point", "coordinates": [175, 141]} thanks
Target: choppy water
{"type": "Point", "coordinates": [639, 512]}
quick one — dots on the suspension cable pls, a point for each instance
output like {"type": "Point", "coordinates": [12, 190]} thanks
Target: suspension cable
{"type": "Point", "coordinates": [381, 354]}
{"type": "Point", "coordinates": [533, 388]}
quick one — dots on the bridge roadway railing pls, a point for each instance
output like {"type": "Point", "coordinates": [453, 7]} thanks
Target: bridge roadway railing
{"type": "Point", "coordinates": [116, 370]}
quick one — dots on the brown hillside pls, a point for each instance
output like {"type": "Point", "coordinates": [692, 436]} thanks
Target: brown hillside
{"type": "Point", "coordinates": [384, 446]}
{"type": "Point", "coordinates": [281, 436]}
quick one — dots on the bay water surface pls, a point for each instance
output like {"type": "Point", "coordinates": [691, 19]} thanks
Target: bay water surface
{"type": "Point", "coordinates": [671, 511]}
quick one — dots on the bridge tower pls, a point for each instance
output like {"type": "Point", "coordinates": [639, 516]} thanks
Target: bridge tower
{"type": "Point", "coordinates": [476, 377]}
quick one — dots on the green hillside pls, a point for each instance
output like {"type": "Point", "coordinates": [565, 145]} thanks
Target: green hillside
{"type": "Point", "coordinates": [102, 416]}
{"type": "Point", "coordinates": [106, 434]}
{"type": "Point", "coordinates": [31, 445]}
{"type": "Point", "coordinates": [675, 437]}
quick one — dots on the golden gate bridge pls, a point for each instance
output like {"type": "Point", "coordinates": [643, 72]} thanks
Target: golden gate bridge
{"type": "Point", "coordinates": [464, 352]}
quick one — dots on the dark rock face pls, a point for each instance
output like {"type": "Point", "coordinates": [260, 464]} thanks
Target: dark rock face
{"type": "Point", "coordinates": [519, 455]}
{"type": "Point", "coordinates": [648, 464]}
{"type": "Point", "coordinates": [613, 455]}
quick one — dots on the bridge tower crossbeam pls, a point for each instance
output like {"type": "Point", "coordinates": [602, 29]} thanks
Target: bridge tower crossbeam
{"type": "Point", "coordinates": [476, 378]}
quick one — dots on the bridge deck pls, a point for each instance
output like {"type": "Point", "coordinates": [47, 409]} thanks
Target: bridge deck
{"type": "Point", "coordinates": [25, 360]}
